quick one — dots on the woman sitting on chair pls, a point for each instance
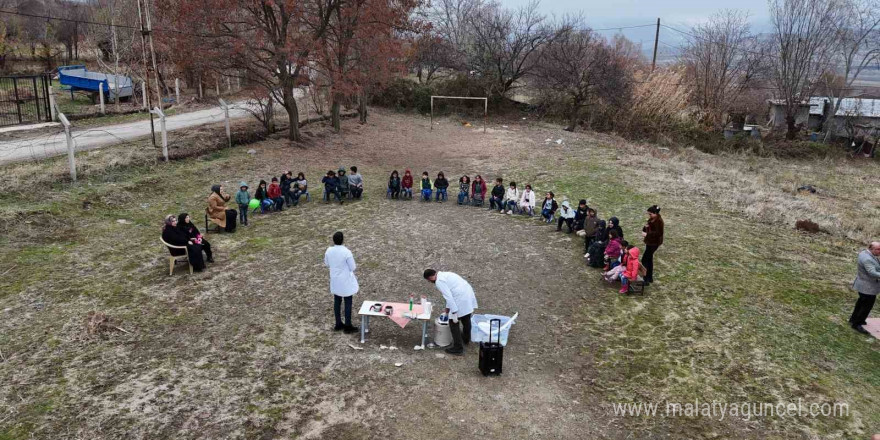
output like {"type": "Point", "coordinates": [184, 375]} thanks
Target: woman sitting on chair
{"type": "Point", "coordinates": [185, 224]}
{"type": "Point", "coordinates": [217, 212]}
{"type": "Point", "coordinates": [175, 236]}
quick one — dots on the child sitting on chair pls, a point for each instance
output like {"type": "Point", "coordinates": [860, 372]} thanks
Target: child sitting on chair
{"type": "Point", "coordinates": [631, 273]}
{"type": "Point", "coordinates": [426, 187]}
{"type": "Point", "coordinates": [527, 201]}
{"type": "Point", "coordinates": [441, 184]}
{"type": "Point", "coordinates": [406, 184]}
{"type": "Point", "coordinates": [549, 207]}
{"type": "Point", "coordinates": [394, 185]}
{"type": "Point", "coordinates": [274, 193]}
{"type": "Point", "coordinates": [478, 191]}
{"type": "Point", "coordinates": [612, 250]}
{"type": "Point", "coordinates": [262, 195]}
{"type": "Point", "coordinates": [464, 189]}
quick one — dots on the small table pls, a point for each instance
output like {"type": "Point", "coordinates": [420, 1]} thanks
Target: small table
{"type": "Point", "coordinates": [423, 313]}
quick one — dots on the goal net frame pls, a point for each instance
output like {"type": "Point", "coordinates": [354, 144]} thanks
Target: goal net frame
{"type": "Point", "coordinates": [485, 107]}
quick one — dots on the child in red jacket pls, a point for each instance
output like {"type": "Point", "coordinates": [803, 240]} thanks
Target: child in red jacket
{"type": "Point", "coordinates": [274, 193]}
{"type": "Point", "coordinates": [631, 273]}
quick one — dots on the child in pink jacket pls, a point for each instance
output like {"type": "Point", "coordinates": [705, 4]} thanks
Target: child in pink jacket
{"type": "Point", "coordinates": [612, 250]}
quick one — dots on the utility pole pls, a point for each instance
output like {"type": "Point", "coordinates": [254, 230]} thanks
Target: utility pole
{"type": "Point", "coordinates": [153, 52]}
{"type": "Point", "coordinates": [656, 42]}
{"type": "Point", "coordinates": [115, 56]}
{"type": "Point", "coordinates": [146, 71]}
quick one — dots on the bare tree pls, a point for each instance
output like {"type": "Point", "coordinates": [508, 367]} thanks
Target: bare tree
{"type": "Point", "coordinates": [431, 56]}
{"type": "Point", "coordinates": [451, 21]}
{"type": "Point", "coordinates": [572, 68]}
{"type": "Point", "coordinates": [721, 61]}
{"type": "Point", "coordinates": [506, 45]}
{"type": "Point", "coordinates": [803, 38]}
{"type": "Point", "coordinates": [857, 47]}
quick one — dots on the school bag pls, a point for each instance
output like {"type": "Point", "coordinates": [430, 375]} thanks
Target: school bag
{"type": "Point", "coordinates": [596, 254]}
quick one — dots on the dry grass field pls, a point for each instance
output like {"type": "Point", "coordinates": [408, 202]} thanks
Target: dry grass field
{"type": "Point", "coordinates": [745, 309]}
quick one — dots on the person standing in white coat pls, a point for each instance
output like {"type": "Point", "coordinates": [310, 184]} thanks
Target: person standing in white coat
{"type": "Point", "coordinates": [460, 304]}
{"type": "Point", "coordinates": [343, 283]}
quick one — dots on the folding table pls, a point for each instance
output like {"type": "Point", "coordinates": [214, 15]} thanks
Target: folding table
{"type": "Point", "coordinates": [422, 313]}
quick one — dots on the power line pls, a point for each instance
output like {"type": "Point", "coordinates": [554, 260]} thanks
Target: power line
{"type": "Point", "coordinates": [711, 41]}
{"type": "Point", "coordinates": [624, 27]}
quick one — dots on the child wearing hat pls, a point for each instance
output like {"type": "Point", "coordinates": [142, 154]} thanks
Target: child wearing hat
{"type": "Point", "coordinates": [243, 198]}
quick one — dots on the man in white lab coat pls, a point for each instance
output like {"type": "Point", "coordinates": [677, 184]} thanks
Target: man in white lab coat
{"type": "Point", "coordinates": [460, 304]}
{"type": "Point", "coordinates": [343, 283]}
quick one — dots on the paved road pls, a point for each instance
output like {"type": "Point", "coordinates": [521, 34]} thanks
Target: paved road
{"type": "Point", "coordinates": [96, 137]}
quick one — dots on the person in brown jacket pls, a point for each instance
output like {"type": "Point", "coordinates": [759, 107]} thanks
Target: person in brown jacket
{"type": "Point", "coordinates": [216, 210]}
{"type": "Point", "coordinates": [653, 233]}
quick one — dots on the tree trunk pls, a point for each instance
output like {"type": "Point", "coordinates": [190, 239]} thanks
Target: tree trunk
{"type": "Point", "coordinates": [573, 119]}
{"type": "Point", "coordinates": [270, 116]}
{"type": "Point", "coordinates": [791, 130]}
{"type": "Point", "coordinates": [292, 113]}
{"type": "Point", "coordinates": [334, 114]}
{"type": "Point", "coordinates": [362, 107]}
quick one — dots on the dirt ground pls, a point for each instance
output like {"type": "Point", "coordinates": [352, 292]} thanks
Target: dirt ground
{"type": "Point", "coordinates": [245, 350]}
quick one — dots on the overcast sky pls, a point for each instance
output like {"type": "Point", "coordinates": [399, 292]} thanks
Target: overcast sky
{"type": "Point", "coordinates": [680, 14]}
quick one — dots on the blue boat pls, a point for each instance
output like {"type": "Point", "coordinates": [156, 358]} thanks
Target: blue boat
{"type": "Point", "coordinates": [78, 78]}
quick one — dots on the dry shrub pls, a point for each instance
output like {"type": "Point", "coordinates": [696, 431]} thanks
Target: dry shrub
{"type": "Point", "coordinates": [659, 103]}
{"type": "Point", "coordinates": [807, 226]}
{"type": "Point", "coordinates": [764, 189]}
{"type": "Point", "coordinates": [24, 179]}
{"type": "Point", "coordinates": [99, 324]}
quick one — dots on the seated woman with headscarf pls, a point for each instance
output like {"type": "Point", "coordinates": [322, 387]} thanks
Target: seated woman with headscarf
{"type": "Point", "coordinates": [185, 224]}
{"type": "Point", "coordinates": [217, 212]}
{"type": "Point", "coordinates": [175, 236]}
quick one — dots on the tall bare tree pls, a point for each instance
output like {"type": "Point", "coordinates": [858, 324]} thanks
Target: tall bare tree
{"type": "Point", "coordinates": [451, 22]}
{"type": "Point", "coordinates": [803, 39]}
{"type": "Point", "coordinates": [721, 61]}
{"type": "Point", "coordinates": [857, 47]}
{"type": "Point", "coordinates": [573, 67]}
{"type": "Point", "coordinates": [506, 45]}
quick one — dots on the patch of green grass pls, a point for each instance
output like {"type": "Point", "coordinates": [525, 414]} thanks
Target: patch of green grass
{"type": "Point", "coordinates": [728, 289]}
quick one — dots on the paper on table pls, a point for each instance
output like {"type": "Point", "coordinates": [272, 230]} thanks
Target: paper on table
{"type": "Point", "coordinates": [403, 308]}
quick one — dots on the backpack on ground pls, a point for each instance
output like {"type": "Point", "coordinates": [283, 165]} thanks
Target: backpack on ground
{"type": "Point", "coordinates": [596, 254]}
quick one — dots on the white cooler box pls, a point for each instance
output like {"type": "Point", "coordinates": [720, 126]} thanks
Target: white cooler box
{"type": "Point", "coordinates": [480, 327]}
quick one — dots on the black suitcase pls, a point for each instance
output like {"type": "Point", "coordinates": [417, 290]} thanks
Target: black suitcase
{"type": "Point", "coordinates": [491, 353]}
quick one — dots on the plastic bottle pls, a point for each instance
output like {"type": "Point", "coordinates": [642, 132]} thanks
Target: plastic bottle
{"type": "Point", "coordinates": [411, 296]}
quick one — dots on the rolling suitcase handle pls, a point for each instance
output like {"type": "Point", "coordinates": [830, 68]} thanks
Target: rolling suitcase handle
{"type": "Point", "coordinates": [491, 321]}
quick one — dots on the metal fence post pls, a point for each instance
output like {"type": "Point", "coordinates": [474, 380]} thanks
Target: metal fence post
{"type": "Point", "coordinates": [101, 97]}
{"type": "Point", "coordinates": [177, 90]}
{"type": "Point", "coordinates": [217, 85]}
{"type": "Point", "coordinates": [228, 84]}
{"type": "Point", "coordinates": [52, 109]}
{"type": "Point", "coordinates": [158, 112]}
{"type": "Point", "coordinates": [71, 160]}
{"type": "Point", "coordinates": [225, 107]}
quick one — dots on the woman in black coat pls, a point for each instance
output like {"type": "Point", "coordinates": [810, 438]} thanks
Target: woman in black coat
{"type": "Point", "coordinates": [175, 236]}
{"type": "Point", "coordinates": [184, 223]}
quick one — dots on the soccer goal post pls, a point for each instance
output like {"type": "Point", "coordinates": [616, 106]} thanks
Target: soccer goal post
{"type": "Point", "coordinates": [485, 108]}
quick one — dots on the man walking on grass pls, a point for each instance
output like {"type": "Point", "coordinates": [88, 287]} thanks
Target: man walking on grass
{"type": "Point", "coordinates": [343, 283]}
{"type": "Point", "coordinates": [867, 283]}
{"type": "Point", "coordinates": [460, 304]}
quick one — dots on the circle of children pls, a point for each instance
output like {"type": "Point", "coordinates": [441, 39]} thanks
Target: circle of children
{"type": "Point", "coordinates": [604, 244]}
